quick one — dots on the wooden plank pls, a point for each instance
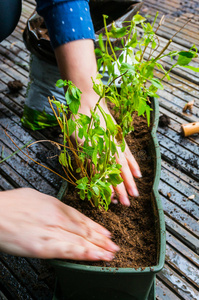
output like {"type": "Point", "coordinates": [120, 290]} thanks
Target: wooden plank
{"type": "Point", "coordinates": [12, 286]}
{"type": "Point", "coordinates": [182, 266]}
{"type": "Point", "coordinates": [22, 271]}
{"type": "Point", "coordinates": [176, 161]}
{"type": "Point", "coordinates": [33, 174]}
{"type": "Point", "coordinates": [175, 125]}
{"type": "Point", "coordinates": [177, 138]}
{"type": "Point", "coordinates": [194, 185]}
{"type": "Point", "coordinates": [2, 296]}
{"type": "Point", "coordinates": [179, 199]}
{"type": "Point", "coordinates": [177, 284]}
{"type": "Point", "coordinates": [180, 216]}
{"type": "Point", "coordinates": [182, 234]}
{"type": "Point", "coordinates": [163, 292]}
{"type": "Point", "coordinates": [184, 250]}
{"type": "Point", "coordinates": [5, 185]}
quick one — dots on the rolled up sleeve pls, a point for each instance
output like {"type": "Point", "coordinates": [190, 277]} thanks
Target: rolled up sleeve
{"type": "Point", "coordinates": [66, 20]}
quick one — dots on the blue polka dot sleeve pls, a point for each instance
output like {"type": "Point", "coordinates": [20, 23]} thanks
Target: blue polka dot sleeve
{"type": "Point", "coordinates": [66, 20]}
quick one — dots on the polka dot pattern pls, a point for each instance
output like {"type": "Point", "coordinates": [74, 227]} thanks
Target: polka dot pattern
{"type": "Point", "coordinates": [71, 20]}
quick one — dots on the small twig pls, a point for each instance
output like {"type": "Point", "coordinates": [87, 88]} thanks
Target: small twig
{"type": "Point", "coordinates": [180, 29]}
{"type": "Point", "coordinates": [2, 152]}
{"type": "Point", "coordinates": [34, 159]}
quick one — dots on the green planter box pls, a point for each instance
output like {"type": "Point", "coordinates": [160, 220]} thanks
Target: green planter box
{"type": "Point", "coordinates": [79, 282]}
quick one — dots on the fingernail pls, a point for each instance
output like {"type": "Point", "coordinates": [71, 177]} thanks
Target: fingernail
{"type": "Point", "coordinates": [106, 233]}
{"type": "Point", "coordinates": [115, 247]}
{"type": "Point", "coordinates": [134, 192]}
{"type": "Point", "coordinates": [138, 173]}
{"type": "Point", "coordinates": [125, 201]}
{"type": "Point", "coordinates": [108, 256]}
{"type": "Point", "coordinates": [115, 201]}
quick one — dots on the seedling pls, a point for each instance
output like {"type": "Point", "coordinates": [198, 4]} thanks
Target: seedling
{"type": "Point", "coordinates": [136, 67]}
{"type": "Point", "coordinates": [94, 168]}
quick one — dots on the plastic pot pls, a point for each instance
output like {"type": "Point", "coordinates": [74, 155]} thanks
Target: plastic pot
{"type": "Point", "coordinates": [81, 282]}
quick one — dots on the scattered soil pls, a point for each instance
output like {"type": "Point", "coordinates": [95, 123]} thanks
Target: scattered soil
{"type": "Point", "coordinates": [164, 121]}
{"type": "Point", "coordinates": [132, 228]}
{"type": "Point", "coordinates": [15, 86]}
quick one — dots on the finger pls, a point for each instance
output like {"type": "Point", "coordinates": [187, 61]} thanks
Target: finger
{"type": "Point", "coordinates": [133, 165]}
{"type": "Point", "coordinates": [74, 247]}
{"type": "Point", "coordinates": [121, 191]}
{"type": "Point", "coordinates": [113, 199]}
{"type": "Point", "coordinates": [59, 243]}
{"type": "Point", "coordinates": [127, 176]}
{"type": "Point", "coordinates": [78, 217]}
{"type": "Point", "coordinates": [88, 229]}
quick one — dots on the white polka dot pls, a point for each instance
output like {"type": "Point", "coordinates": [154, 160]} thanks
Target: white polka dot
{"type": "Point", "coordinates": [71, 9]}
{"type": "Point", "coordinates": [86, 9]}
{"type": "Point", "coordinates": [62, 22]}
{"type": "Point", "coordinates": [73, 29]}
{"type": "Point", "coordinates": [89, 28]}
{"type": "Point", "coordinates": [81, 18]}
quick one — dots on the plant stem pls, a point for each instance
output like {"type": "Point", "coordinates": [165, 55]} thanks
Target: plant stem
{"type": "Point", "coordinates": [36, 161]}
{"type": "Point", "coordinates": [4, 159]}
{"type": "Point", "coordinates": [106, 31]}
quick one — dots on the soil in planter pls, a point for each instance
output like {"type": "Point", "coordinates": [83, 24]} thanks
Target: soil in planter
{"type": "Point", "coordinates": [132, 228]}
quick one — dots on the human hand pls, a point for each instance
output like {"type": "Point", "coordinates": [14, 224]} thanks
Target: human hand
{"type": "Point", "coordinates": [33, 224]}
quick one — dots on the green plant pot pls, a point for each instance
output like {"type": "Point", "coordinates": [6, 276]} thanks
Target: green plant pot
{"type": "Point", "coordinates": [79, 282]}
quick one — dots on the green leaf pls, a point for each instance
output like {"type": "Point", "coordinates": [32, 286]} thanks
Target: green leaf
{"type": "Point", "coordinates": [115, 179]}
{"type": "Point", "coordinates": [137, 19]}
{"type": "Point", "coordinates": [185, 57]}
{"type": "Point", "coordinates": [68, 97]}
{"type": "Point", "coordinates": [61, 83]}
{"type": "Point", "coordinates": [81, 186]}
{"type": "Point", "coordinates": [117, 32]}
{"type": "Point", "coordinates": [101, 42]}
{"type": "Point", "coordinates": [133, 41]}
{"type": "Point", "coordinates": [121, 58]}
{"type": "Point", "coordinates": [99, 131]}
{"type": "Point", "coordinates": [110, 123]}
{"type": "Point", "coordinates": [82, 194]}
{"type": "Point", "coordinates": [125, 67]}
{"type": "Point", "coordinates": [78, 170]}
{"type": "Point", "coordinates": [71, 126]}
{"type": "Point", "coordinates": [154, 45]}
{"type": "Point", "coordinates": [84, 119]}
{"type": "Point", "coordinates": [74, 106]}
{"type": "Point", "coordinates": [100, 145]}
{"type": "Point", "coordinates": [96, 190]}
{"type": "Point", "coordinates": [63, 160]}
{"type": "Point", "coordinates": [98, 87]}
{"type": "Point", "coordinates": [81, 133]}
{"type": "Point", "coordinates": [94, 157]}
{"type": "Point", "coordinates": [192, 68]}
{"type": "Point", "coordinates": [113, 148]}
{"type": "Point", "coordinates": [142, 107]}
{"type": "Point", "coordinates": [157, 83]}
{"type": "Point", "coordinates": [148, 113]}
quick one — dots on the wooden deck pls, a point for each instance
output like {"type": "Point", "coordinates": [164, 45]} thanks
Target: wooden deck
{"type": "Point", "coordinates": [23, 278]}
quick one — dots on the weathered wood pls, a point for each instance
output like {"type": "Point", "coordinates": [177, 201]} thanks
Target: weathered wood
{"type": "Point", "coordinates": [27, 277]}
{"type": "Point", "coordinates": [12, 286]}
{"type": "Point", "coordinates": [177, 284]}
{"type": "Point", "coordinates": [182, 234]}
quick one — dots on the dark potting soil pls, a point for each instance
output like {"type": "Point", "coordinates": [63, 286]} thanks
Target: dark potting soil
{"type": "Point", "coordinates": [132, 228]}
